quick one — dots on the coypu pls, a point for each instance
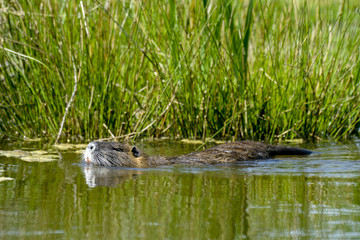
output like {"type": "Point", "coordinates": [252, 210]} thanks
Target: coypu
{"type": "Point", "coordinates": [115, 154]}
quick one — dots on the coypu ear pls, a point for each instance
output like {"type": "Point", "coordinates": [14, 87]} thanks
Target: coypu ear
{"type": "Point", "coordinates": [135, 152]}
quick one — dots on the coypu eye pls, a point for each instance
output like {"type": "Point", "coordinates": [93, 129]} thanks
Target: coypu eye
{"type": "Point", "coordinates": [91, 146]}
{"type": "Point", "coordinates": [135, 152]}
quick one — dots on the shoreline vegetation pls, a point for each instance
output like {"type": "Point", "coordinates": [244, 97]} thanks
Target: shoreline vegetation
{"type": "Point", "coordinates": [263, 70]}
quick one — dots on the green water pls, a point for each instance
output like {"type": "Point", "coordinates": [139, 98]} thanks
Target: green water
{"type": "Point", "coordinates": [315, 197]}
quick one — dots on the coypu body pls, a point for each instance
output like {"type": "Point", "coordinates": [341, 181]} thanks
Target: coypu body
{"type": "Point", "coordinates": [115, 154]}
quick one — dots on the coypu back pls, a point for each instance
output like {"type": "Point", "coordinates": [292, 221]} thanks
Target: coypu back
{"type": "Point", "coordinates": [233, 152]}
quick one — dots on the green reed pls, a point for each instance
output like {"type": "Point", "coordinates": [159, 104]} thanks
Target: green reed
{"type": "Point", "coordinates": [190, 69]}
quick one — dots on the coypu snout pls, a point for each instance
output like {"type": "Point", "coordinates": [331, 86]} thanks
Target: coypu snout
{"type": "Point", "coordinates": [111, 154]}
{"type": "Point", "coordinates": [89, 151]}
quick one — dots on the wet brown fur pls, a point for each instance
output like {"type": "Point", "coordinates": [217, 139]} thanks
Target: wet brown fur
{"type": "Point", "coordinates": [124, 155]}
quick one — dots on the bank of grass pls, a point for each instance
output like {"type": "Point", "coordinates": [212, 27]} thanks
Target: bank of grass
{"type": "Point", "coordinates": [190, 69]}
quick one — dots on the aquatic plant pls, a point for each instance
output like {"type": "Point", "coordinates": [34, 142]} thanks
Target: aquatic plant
{"type": "Point", "coordinates": [189, 69]}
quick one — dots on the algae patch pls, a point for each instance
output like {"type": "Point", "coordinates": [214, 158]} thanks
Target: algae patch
{"type": "Point", "coordinates": [40, 158]}
{"type": "Point", "coordinates": [30, 156]}
{"type": "Point", "coordinates": [5, 179]}
{"type": "Point", "coordinates": [41, 155]}
{"type": "Point", "coordinates": [68, 146]}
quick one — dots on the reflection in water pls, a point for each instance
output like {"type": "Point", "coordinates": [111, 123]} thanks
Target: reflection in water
{"type": "Point", "coordinates": [107, 176]}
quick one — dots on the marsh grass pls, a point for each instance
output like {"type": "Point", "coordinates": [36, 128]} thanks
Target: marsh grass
{"type": "Point", "coordinates": [191, 69]}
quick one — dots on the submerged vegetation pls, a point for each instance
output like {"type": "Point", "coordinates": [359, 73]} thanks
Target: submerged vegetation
{"type": "Point", "coordinates": [193, 69]}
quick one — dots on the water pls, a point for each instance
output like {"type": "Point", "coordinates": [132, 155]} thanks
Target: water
{"type": "Point", "coordinates": [316, 197]}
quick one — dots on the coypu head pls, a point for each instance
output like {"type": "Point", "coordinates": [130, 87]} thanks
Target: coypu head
{"type": "Point", "coordinates": [113, 154]}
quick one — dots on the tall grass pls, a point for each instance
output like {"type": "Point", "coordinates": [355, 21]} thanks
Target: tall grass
{"type": "Point", "coordinates": [191, 69]}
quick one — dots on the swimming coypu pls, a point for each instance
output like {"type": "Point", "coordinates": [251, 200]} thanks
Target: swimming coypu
{"type": "Point", "coordinates": [115, 154]}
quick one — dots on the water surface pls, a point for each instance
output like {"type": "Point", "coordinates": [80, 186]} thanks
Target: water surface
{"type": "Point", "coordinates": [316, 196]}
